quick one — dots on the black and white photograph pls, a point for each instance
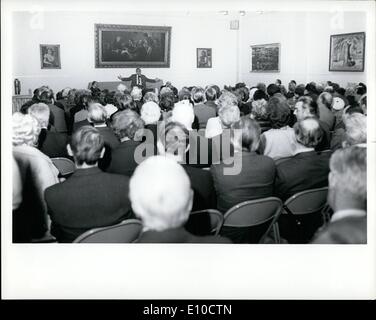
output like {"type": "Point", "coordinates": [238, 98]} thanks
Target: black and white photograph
{"type": "Point", "coordinates": [159, 179]}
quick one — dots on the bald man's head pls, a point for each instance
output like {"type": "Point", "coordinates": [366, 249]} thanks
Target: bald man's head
{"type": "Point", "coordinates": [161, 203]}
{"type": "Point", "coordinates": [308, 132]}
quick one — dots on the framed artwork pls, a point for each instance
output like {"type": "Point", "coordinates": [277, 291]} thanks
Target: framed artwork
{"type": "Point", "coordinates": [265, 58]}
{"type": "Point", "coordinates": [347, 52]}
{"type": "Point", "coordinates": [204, 57]}
{"type": "Point", "coordinates": [50, 56]}
{"type": "Point", "coordinates": [119, 46]}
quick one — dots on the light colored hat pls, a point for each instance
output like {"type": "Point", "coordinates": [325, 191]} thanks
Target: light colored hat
{"type": "Point", "coordinates": [338, 103]}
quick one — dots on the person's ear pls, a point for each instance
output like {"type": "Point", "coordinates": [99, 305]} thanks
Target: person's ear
{"type": "Point", "coordinates": [102, 152]}
{"type": "Point", "coordinates": [69, 150]}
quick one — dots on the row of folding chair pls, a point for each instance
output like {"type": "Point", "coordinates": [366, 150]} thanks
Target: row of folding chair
{"type": "Point", "coordinates": [255, 221]}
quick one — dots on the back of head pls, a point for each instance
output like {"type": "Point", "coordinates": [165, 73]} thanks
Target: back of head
{"type": "Point", "coordinates": [356, 129]}
{"type": "Point", "coordinates": [150, 112]}
{"type": "Point", "coordinates": [246, 134]}
{"type": "Point", "coordinates": [243, 92]}
{"type": "Point", "coordinates": [25, 128]}
{"type": "Point", "coordinates": [125, 101]}
{"type": "Point", "coordinates": [299, 90]}
{"type": "Point", "coordinates": [272, 89]}
{"type": "Point", "coordinates": [326, 99]}
{"type": "Point", "coordinates": [150, 96]}
{"type": "Point", "coordinates": [184, 94]}
{"type": "Point", "coordinates": [308, 132]}
{"type": "Point", "coordinates": [96, 113]}
{"type": "Point", "coordinates": [87, 145]}
{"type": "Point", "coordinates": [261, 86]}
{"type": "Point", "coordinates": [228, 110]}
{"type": "Point", "coordinates": [210, 94]}
{"type": "Point", "coordinates": [160, 203]}
{"type": "Point", "coordinates": [173, 138]}
{"type": "Point", "coordinates": [167, 102]}
{"type": "Point", "coordinates": [198, 94]}
{"type": "Point", "coordinates": [45, 95]}
{"type": "Point", "coordinates": [258, 95]}
{"type": "Point", "coordinates": [41, 112]}
{"type": "Point", "coordinates": [136, 93]}
{"type": "Point", "coordinates": [127, 123]}
{"type": "Point", "coordinates": [310, 106]}
{"type": "Point", "coordinates": [278, 112]}
{"type": "Point", "coordinates": [348, 174]}
{"type": "Point", "coordinates": [183, 113]}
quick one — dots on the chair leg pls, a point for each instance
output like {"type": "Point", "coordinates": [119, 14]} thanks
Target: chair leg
{"type": "Point", "coordinates": [277, 237]}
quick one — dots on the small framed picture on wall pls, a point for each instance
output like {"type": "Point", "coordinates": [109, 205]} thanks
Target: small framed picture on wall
{"type": "Point", "coordinates": [50, 56]}
{"type": "Point", "coordinates": [204, 57]}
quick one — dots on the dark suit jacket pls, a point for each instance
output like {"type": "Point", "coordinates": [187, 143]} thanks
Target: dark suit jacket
{"type": "Point", "coordinates": [59, 118]}
{"type": "Point", "coordinates": [133, 79]}
{"type": "Point", "coordinates": [203, 113]}
{"type": "Point", "coordinates": [200, 151]}
{"type": "Point", "coordinates": [203, 188]}
{"type": "Point", "coordinates": [325, 142]}
{"type": "Point", "coordinates": [122, 158]}
{"type": "Point", "coordinates": [254, 181]}
{"type": "Point", "coordinates": [349, 230]}
{"type": "Point", "coordinates": [178, 235]}
{"type": "Point", "coordinates": [304, 171]}
{"type": "Point", "coordinates": [53, 143]}
{"type": "Point", "coordinates": [88, 199]}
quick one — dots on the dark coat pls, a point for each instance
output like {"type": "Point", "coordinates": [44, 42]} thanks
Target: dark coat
{"type": "Point", "coordinates": [88, 199]}
{"type": "Point", "coordinates": [304, 171]}
{"type": "Point", "coordinates": [254, 181]}
{"type": "Point", "coordinates": [122, 158]}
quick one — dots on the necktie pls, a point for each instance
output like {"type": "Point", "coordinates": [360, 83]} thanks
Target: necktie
{"type": "Point", "coordinates": [138, 80]}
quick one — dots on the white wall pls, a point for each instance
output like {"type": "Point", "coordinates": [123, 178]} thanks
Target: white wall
{"type": "Point", "coordinates": [304, 39]}
{"type": "Point", "coordinates": [75, 33]}
{"type": "Point", "coordinates": [305, 44]}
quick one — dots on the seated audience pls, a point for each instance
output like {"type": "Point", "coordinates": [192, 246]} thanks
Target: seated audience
{"type": "Point", "coordinates": [279, 141]}
{"type": "Point", "coordinates": [211, 97]}
{"type": "Point", "coordinates": [255, 176]}
{"type": "Point", "coordinates": [307, 169]}
{"type": "Point", "coordinates": [201, 110]}
{"type": "Point", "coordinates": [353, 133]}
{"type": "Point", "coordinates": [245, 106]}
{"type": "Point", "coordinates": [272, 89]}
{"type": "Point", "coordinates": [324, 102]}
{"type": "Point", "coordinates": [199, 153]}
{"type": "Point", "coordinates": [347, 197]}
{"type": "Point", "coordinates": [228, 113]}
{"type": "Point", "coordinates": [306, 107]}
{"type": "Point", "coordinates": [163, 204]}
{"type": "Point", "coordinates": [151, 114]}
{"type": "Point", "coordinates": [127, 126]}
{"type": "Point", "coordinates": [259, 110]}
{"type": "Point", "coordinates": [50, 142]}
{"type": "Point", "coordinates": [174, 143]}
{"type": "Point", "coordinates": [89, 198]}
{"type": "Point", "coordinates": [37, 172]}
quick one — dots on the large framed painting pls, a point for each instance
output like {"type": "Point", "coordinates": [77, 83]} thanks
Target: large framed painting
{"type": "Point", "coordinates": [119, 46]}
{"type": "Point", "coordinates": [50, 56]}
{"type": "Point", "coordinates": [265, 57]}
{"type": "Point", "coordinates": [347, 52]}
{"type": "Point", "coordinates": [204, 57]}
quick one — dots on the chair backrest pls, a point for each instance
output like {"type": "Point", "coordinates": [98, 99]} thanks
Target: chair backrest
{"type": "Point", "coordinates": [251, 221]}
{"type": "Point", "coordinates": [253, 212]}
{"type": "Point", "coordinates": [308, 201]}
{"type": "Point", "coordinates": [126, 231]}
{"type": "Point", "coordinates": [205, 222]}
{"type": "Point", "coordinates": [64, 165]}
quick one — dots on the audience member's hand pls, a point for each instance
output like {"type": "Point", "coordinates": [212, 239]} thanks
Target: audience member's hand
{"type": "Point", "coordinates": [120, 77]}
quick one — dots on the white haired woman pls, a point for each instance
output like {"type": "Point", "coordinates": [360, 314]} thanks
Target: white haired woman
{"type": "Point", "coordinates": [228, 113]}
{"type": "Point", "coordinates": [37, 171]}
